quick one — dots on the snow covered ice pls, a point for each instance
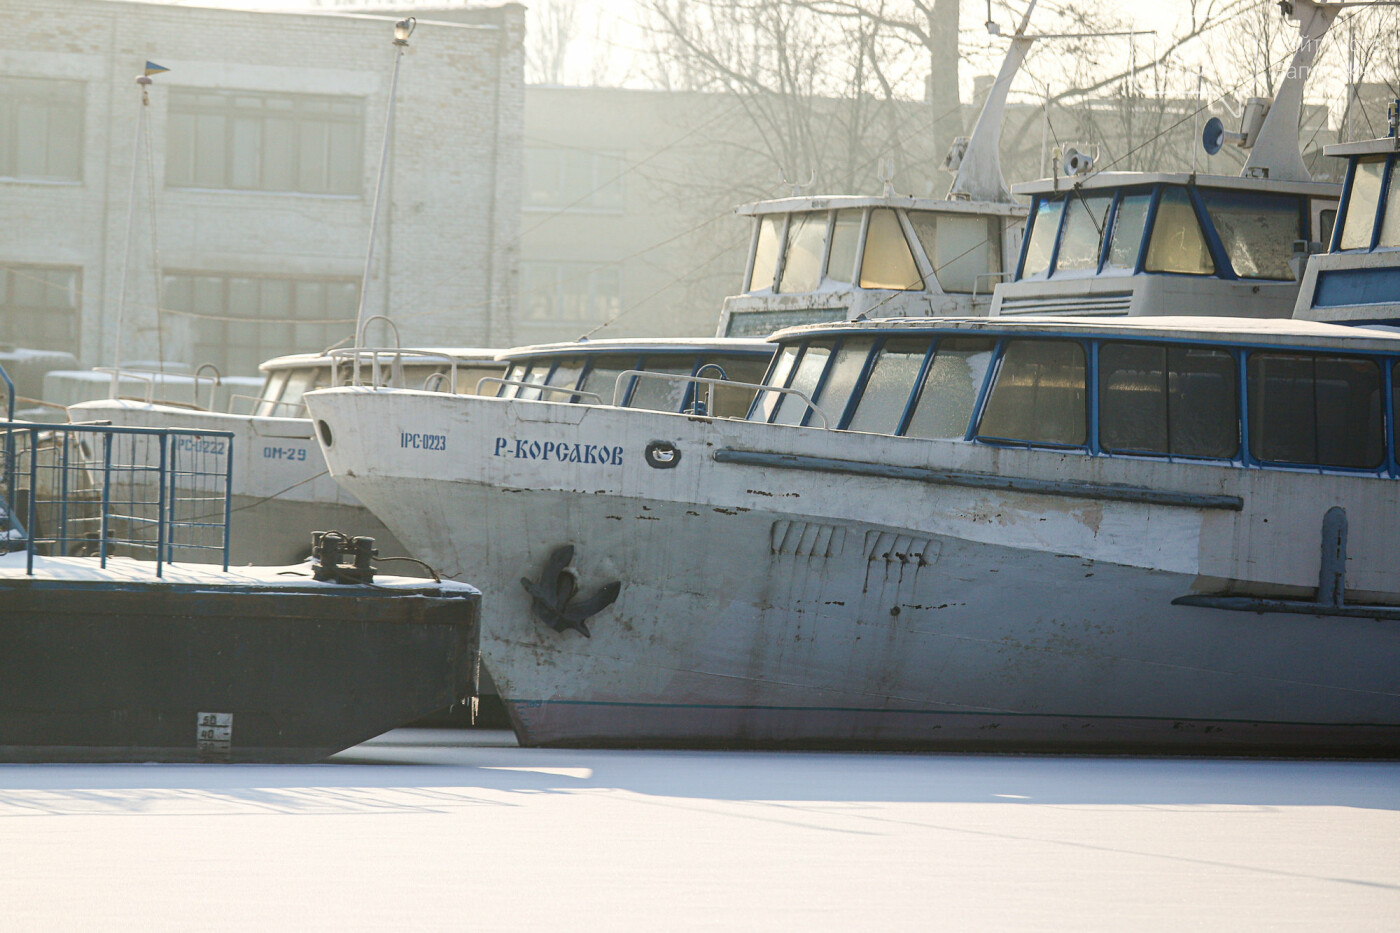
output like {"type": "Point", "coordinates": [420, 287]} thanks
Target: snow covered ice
{"type": "Point", "coordinates": [437, 829]}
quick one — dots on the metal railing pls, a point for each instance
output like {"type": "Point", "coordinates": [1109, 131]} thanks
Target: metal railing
{"type": "Point", "coordinates": [623, 385]}
{"type": "Point", "coordinates": [534, 386]}
{"type": "Point", "coordinates": [386, 366]}
{"type": "Point", "coordinates": [100, 490]}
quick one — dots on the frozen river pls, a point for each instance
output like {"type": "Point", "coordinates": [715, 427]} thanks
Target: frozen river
{"type": "Point", "coordinates": [454, 830]}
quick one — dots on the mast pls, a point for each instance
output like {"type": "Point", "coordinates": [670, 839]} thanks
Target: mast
{"type": "Point", "coordinates": [1276, 152]}
{"type": "Point", "coordinates": [979, 175]}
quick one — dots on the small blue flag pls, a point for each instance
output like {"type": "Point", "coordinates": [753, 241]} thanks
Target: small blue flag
{"type": "Point", "coordinates": [153, 69]}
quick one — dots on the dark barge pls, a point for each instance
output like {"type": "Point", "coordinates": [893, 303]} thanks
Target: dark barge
{"type": "Point", "coordinates": [105, 657]}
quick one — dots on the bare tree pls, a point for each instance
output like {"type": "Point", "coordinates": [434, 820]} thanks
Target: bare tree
{"type": "Point", "coordinates": [551, 32]}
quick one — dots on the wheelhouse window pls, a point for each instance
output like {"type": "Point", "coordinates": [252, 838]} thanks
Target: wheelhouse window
{"type": "Point", "coordinates": [1390, 220]}
{"type": "Point", "coordinates": [1129, 222]}
{"type": "Point", "coordinates": [1171, 400]}
{"type": "Point", "coordinates": [950, 389]}
{"type": "Point", "coordinates": [1316, 410]}
{"type": "Point", "coordinates": [1040, 240]}
{"type": "Point", "coordinates": [845, 243]}
{"type": "Point", "coordinates": [601, 378]}
{"type": "Point", "coordinates": [41, 129]}
{"type": "Point", "coordinates": [802, 260]}
{"type": "Point", "coordinates": [565, 376]}
{"type": "Point", "coordinates": [846, 368]}
{"type": "Point", "coordinates": [1257, 230]}
{"type": "Point", "coordinates": [890, 384]}
{"type": "Point", "coordinates": [765, 257]}
{"type": "Point", "coordinates": [307, 143]}
{"type": "Point", "coordinates": [731, 401]}
{"type": "Point", "coordinates": [1082, 240]}
{"type": "Point", "coordinates": [662, 394]}
{"type": "Point", "coordinates": [963, 249]}
{"type": "Point", "coordinates": [1177, 243]}
{"type": "Point", "coordinates": [888, 262]}
{"type": "Point", "coordinates": [1039, 395]}
{"type": "Point", "coordinates": [1360, 224]}
{"type": "Point", "coordinates": [791, 409]}
{"type": "Point", "coordinates": [782, 371]}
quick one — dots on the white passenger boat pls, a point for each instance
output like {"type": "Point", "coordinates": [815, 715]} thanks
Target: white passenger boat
{"type": "Point", "coordinates": [281, 489]}
{"type": "Point", "coordinates": [1358, 281]}
{"type": "Point", "coordinates": [1148, 534]}
{"type": "Point", "coordinates": [1106, 243]}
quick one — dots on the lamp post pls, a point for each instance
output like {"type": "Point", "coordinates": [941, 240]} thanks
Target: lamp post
{"type": "Point", "coordinates": [402, 30]}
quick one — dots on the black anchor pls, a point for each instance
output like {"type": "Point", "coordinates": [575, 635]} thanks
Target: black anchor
{"type": "Point", "coordinates": [552, 599]}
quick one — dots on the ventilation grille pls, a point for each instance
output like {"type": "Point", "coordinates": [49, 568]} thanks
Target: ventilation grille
{"type": "Point", "coordinates": [899, 549]}
{"type": "Point", "coordinates": [1114, 304]}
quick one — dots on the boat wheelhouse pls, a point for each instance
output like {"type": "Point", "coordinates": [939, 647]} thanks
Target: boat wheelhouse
{"type": "Point", "coordinates": [1143, 534]}
{"type": "Point", "coordinates": [1358, 280]}
{"type": "Point", "coordinates": [815, 259]}
{"type": "Point", "coordinates": [1147, 243]}
{"type": "Point", "coordinates": [281, 489]}
{"type": "Point", "coordinates": [635, 373]}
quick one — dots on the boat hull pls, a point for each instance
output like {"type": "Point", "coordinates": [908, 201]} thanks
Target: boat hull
{"type": "Point", "coordinates": [98, 671]}
{"type": "Point", "coordinates": [760, 607]}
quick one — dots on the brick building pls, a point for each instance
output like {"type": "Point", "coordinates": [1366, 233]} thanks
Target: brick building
{"type": "Point", "coordinates": [264, 143]}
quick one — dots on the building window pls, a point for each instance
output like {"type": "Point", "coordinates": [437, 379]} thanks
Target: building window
{"type": "Point", "coordinates": [41, 129]}
{"type": "Point", "coordinates": [573, 179]}
{"type": "Point", "coordinates": [570, 291]}
{"type": "Point", "coordinates": [240, 321]}
{"type": "Point", "coordinates": [307, 143]}
{"type": "Point", "coordinates": [39, 307]}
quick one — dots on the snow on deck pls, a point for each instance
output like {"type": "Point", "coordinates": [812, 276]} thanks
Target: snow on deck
{"type": "Point", "coordinates": [130, 570]}
{"type": "Point", "coordinates": [461, 830]}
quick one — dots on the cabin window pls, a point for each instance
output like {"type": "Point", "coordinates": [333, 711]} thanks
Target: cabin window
{"type": "Point", "coordinates": [802, 266]}
{"type": "Point", "coordinates": [1173, 400]}
{"type": "Point", "coordinates": [1082, 240]}
{"type": "Point", "coordinates": [1360, 222]}
{"type": "Point", "coordinates": [732, 401]}
{"type": "Point", "coordinates": [662, 394]}
{"type": "Point", "coordinates": [1327, 221]}
{"type": "Point", "coordinates": [1128, 224]}
{"type": "Point", "coordinates": [602, 377]}
{"type": "Point", "coordinates": [765, 257]}
{"type": "Point", "coordinates": [1390, 220]}
{"type": "Point", "coordinates": [272, 393]}
{"type": "Point", "coordinates": [1038, 396]}
{"type": "Point", "coordinates": [950, 390]}
{"type": "Point", "coordinates": [962, 248]}
{"type": "Point", "coordinates": [768, 401]}
{"type": "Point", "coordinates": [514, 373]}
{"type": "Point", "coordinates": [845, 373]}
{"type": "Point", "coordinates": [845, 240]}
{"type": "Point", "coordinates": [1177, 243]}
{"type": "Point", "coordinates": [888, 263]}
{"type": "Point", "coordinates": [565, 376]}
{"type": "Point", "coordinates": [1257, 231]}
{"type": "Point", "coordinates": [535, 376]}
{"type": "Point", "coordinates": [889, 386]}
{"type": "Point", "coordinates": [1317, 410]}
{"type": "Point", "coordinates": [791, 409]}
{"type": "Point", "coordinates": [1040, 241]}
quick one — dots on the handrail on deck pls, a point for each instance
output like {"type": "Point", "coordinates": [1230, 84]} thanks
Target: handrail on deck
{"type": "Point", "coordinates": [523, 384]}
{"type": "Point", "coordinates": [356, 356]}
